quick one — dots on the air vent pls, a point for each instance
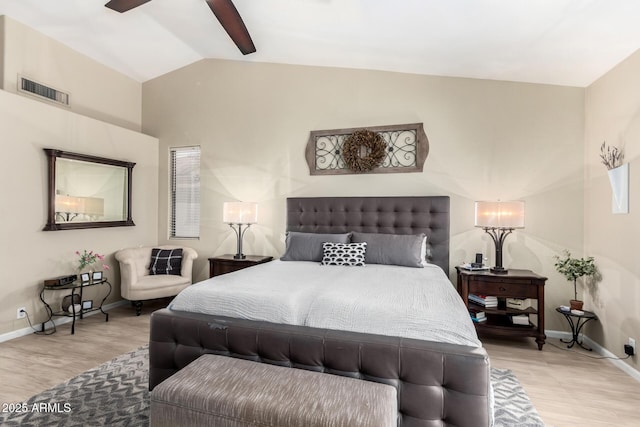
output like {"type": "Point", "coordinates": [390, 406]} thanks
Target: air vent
{"type": "Point", "coordinates": [41, 91]}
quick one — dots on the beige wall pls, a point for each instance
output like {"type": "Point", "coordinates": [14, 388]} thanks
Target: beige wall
{"type": "Point", "coordinates": [95, 90]}
{"type": "Point", "coordinates": [103, 105]}
{"type": "Point", "coordinates": [2, 18]}
{"type": "Point", "coordinates": [30, 255]}
{"type": "Point", "coordinates": [488, 139]}
{"type": "Point", "coordinates": [613, 115]}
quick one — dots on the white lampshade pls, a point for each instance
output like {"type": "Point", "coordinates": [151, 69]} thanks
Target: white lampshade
{"type": "Point", "coordinates": [93, 206]}
{"type": "Point", "coordinates": [500, 214]}
{"type": "Point", "coordinates": [240, 213]}
{"type": "Point", "coordinates": [69, 204]}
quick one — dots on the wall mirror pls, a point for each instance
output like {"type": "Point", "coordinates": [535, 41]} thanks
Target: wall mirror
{"type": "Point", "coordinates": [87, 191]}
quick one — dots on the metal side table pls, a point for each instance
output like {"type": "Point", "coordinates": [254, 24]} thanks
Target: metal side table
{"type": "Point", "coordinates": [576, 322]}
{"type": "Point", "coordinates": [75, 296]}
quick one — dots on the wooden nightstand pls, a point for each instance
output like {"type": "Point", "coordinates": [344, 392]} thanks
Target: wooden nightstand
{"type": "Point", "coordinates": [226, 263]}
{"type": "Point", "coordinates": [514, 284]}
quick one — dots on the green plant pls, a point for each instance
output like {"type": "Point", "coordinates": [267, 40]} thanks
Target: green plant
{"type": "Point", "coordinates": [88, 258]}
{"type": "Point", "coordinates": [574, 268]}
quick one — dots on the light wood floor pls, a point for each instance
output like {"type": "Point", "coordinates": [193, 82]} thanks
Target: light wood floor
{"type": "Point", "coordinates": [567, 388]}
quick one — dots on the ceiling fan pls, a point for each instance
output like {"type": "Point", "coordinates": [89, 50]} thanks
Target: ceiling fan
{"type": "Point", "coordinates": [224, 10]}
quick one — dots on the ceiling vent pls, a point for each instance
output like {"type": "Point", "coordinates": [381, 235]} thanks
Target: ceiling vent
{"type": "Point", "coordinates": [47, 93]}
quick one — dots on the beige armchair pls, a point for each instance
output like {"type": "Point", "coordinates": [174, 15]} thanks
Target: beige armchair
{"type": "Point", "coordinates": [136, 284]}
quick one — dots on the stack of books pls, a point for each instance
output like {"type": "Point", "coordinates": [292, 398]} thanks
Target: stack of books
{"type": "Point", "coordinates": [484, 300]}
{"type": "Point", "coordinates": [520, 319]}
{"type": "Point", "coordinates": [478, 316]}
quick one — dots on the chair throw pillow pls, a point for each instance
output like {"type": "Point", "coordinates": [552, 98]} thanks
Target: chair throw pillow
{"type": "Point", "coordinates": [165, 261]}
{"type": "Point", "coordinates": [349, 254]}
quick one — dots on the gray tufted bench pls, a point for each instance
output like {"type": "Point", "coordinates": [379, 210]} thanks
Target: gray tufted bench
{"type": "Point", "coordinates": [227, 392]}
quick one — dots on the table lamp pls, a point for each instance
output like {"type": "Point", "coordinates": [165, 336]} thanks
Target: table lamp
{"type": "Point", "coordinates": [237, 214]}
{"type": "Point", "coordinates": [499, 219]}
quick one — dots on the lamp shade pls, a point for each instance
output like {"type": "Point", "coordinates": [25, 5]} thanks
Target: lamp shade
{"type": "Point", "coordinates": [503, 215]}
{"type": "Point", "coordinates": [240, 213]}
{"type": "Point", "coordinates": [93, 206]}
{"type": "Point", "coordinates": [69, 204]}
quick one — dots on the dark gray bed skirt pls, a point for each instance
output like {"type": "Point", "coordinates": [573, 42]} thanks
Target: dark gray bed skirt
{"type": "Point", "coordinates": [438, 384]}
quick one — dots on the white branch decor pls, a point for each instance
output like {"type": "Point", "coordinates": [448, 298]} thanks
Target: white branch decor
{"type": "Point", "coordinates": [619, 180]}
{"type": "Point", "coordinates": [618, 172]}
{"type": "Point", "coordinates": [611, 156]}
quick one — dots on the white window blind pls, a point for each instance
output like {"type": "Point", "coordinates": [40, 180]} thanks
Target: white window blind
{"type": "Point", "coordinates": [185, 192]}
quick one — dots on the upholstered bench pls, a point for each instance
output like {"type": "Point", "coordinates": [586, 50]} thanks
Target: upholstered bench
{"type": "Point", "coordinates": [227, 392]}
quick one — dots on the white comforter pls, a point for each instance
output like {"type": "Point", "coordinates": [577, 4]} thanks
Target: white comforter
{"type": "Point", "coordinates": [408, 302]}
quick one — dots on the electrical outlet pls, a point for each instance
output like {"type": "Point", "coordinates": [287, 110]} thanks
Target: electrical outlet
{"type": "Point", "coordinates": [632, 343]}
{"type": "Point", "coordinates": [21, 313]}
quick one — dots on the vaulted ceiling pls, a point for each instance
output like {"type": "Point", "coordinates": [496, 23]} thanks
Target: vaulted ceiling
{"type": "Point", "coordinates": [564, 42]}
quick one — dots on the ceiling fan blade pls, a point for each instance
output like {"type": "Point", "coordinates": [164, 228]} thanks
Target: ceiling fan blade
{"type": "Point", "coordinates": [231, 21]}
{"type": "Point", "coordinates": [124, 5]}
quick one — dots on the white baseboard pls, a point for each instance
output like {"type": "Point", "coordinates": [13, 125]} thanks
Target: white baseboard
{"type": "Point", "coordinates": [597, 348]}
{"type": "Point", "coordinates": [58, 321]}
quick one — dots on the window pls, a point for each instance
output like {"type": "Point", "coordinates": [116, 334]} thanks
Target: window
{"type": "Point", "coordinates": [185, 193]}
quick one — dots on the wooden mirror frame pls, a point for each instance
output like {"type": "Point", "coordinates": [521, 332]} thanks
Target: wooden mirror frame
{"type": "Point", "coordinates": [52, 225]}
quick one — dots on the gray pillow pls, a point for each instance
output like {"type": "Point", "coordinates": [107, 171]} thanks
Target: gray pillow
{"type": "Point", "coordinates": [308, 246]}
{"type": "Point", "coordinates": [392, 249]}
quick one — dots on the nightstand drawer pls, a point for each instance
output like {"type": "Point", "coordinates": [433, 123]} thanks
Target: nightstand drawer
{"type": "Point", "coordinates": [228, 263]}
{"type": "Point", "coordinates": [503, 289]}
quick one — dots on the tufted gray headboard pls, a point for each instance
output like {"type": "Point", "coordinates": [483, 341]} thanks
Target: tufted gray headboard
{"type": "Point", "coordinates": [391, 215]}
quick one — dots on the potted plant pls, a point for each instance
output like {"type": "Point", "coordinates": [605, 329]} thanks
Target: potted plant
{"type": "Point", "coordinates": [87, 259]}
{"type": "Point", "coordinates": [572, 269]}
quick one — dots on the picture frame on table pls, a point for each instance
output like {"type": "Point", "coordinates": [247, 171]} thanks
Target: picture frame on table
{"type": "Point", "coordinates": [87, 304]}
{"type": "Point", "coordinates": [96, 276]}
{"type": "Point", "coordinates": [85, 278]}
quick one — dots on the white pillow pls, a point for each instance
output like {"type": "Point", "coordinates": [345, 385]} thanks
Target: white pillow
{"type": "Point", "coordinates": [423, 252]}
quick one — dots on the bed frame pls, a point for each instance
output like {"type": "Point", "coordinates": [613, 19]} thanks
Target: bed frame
{"type": "Point", "coordinates": [438, 384]}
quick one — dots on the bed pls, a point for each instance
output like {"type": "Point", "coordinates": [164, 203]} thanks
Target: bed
{"type": "Point", "coordinates": [441, 380]}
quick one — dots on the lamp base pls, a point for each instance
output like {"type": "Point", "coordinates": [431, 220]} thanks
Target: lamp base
{"type": "Point", "coordinates": [498, 270]}
{"type": "Point", "coordinates": [239, 234]}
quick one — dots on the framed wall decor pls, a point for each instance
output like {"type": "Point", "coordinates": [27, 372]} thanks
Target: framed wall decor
{"type": "Point", "coordinates": [87, 191]}
{"type": "Point", "coordinates": [85, 278]}
{"type": "Point", "coordinates": [96, 276]}
{"type": "Point", "coordinates": [374, 149]}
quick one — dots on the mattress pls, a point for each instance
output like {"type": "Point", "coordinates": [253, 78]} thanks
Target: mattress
{"type": "Point", "coordinates": [407, 302]}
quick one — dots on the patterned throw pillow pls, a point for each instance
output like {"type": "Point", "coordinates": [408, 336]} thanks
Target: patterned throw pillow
{"type": "Point", "coordinates": [165, 261]}
{"type": "Point", "coordinates": [350, 254]}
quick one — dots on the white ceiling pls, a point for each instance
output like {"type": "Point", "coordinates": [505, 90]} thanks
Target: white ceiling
{"type": "Point", "coordinates": [564, 42]}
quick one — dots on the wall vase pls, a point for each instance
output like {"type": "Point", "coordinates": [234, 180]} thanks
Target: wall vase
{"type": "Point", "coordinates": [619, 179]}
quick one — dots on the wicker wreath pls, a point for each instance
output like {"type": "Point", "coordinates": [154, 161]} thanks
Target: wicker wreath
{"type": "Point", "coordinates": [372, 142]}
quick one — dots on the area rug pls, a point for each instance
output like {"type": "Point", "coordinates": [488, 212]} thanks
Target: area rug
{"type": "Point", "coordinates": [115, 394]}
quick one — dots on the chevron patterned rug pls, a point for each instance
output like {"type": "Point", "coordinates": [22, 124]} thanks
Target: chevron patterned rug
{"type": "Point", "coordinates": [115, 394]}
